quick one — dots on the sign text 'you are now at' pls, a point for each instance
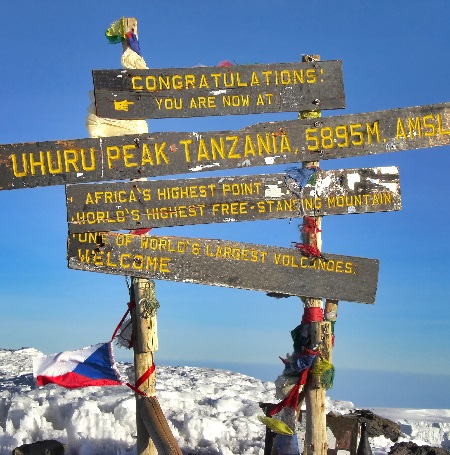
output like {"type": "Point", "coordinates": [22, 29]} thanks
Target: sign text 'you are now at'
{"type": "Point", "coordinates": [211, 91]}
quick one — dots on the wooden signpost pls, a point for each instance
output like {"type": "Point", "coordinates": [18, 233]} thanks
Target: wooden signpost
{"type": "Point", "coordinates": [225, 263]}
{"type": "Point", "coordinates": [206, 91]}
{"type": "Point", "coordinates": [311, 85]}
{"type": "Point", "coordinates": [134, 205]}
{"type": "Point", "coordinates": [178, 93]}
{"type": "Point", "coordinates": [156, 154]}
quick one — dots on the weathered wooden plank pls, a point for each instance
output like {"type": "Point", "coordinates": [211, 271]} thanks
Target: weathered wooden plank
{"type": "Point", "coordinates": [157, 203]}
{"type": "Point", "coordinates": [208, 91]}
{"type": "Point", "coordinates": [225, 263]}
{"type": "Point", "coordinates": [126, 157]}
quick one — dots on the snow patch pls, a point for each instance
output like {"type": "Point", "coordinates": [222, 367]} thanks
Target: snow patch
{"type": "Point", "coordinates": [213, 409]}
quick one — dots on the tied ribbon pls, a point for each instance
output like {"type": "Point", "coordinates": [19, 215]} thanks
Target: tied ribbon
{"type": "Point", "coordinates": [308, 250]}
{"type": "Point", "coordinates": [275, 425]}
{"type": "Point", "coordinates": [309, 225]}
{"type": "Point", "coordinates": [116, 32]}
{"type": "Point", "coordinates": [141, 231]}
{"type": "Point", "coordinates": [224, 64]}
{"type": "Point", "coordinates": [130, 306]}
{"type": "Point", "coordinates": [305, 359]}
{"type": "Point", "coordinates": [301, 175]}
{"type": "Point", "coordinates": [312, 314]}
{"type": "Point", "coordinates": [133, 42]}
{"type": "Point", "coordinates": [141, 380]}
{"type": "Point", "coordinates": [300, 337]}
{"type": "Point", "coordinates": [291, 400]}
{"type": "Point", "coordinates": [149, 372]}
{"type": "Point", "coordinates": [324, 370]}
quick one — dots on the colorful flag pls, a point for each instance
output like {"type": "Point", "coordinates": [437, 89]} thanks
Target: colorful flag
{"type": "Point", "coordinates": [91, 366]}
{"type": "Point", "coordinates": [116, 32]}
{"type": "Point", "coordinates": [133, 42]}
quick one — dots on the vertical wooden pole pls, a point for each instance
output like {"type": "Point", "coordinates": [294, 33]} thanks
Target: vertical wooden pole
{"type": "Point", "coordinates": [142, 291]}
{"type": "Point", "coordinates": [316, 431]}
{"type": "Point", "coordinates": [130, 23]}
{"type": "Point", "coordinates": [143, 327]}
{"type": "Point", "coordinates": [330, 314]}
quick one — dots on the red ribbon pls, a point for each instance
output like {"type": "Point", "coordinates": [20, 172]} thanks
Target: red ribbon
{"type": "Point", "coordinates": [130, 305]}
{"type": "Point", "coordinates": [312, 314]}
{"type": "Point", "coordinates": [309, 225]}
{"type": "Point", "coordinates": [149, 372]}
{"type": "Point", "coordinates": [141, 231]}
{"type": "Point", "coordinates": [291, 400]}
{"type": "Point", "coordinates": [308, 250]}
{"type": "Point", "coordinates": [141, 380]}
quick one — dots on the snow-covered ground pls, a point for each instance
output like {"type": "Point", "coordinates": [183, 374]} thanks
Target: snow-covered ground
{"type": "Point", "coordinates": [209, 411]}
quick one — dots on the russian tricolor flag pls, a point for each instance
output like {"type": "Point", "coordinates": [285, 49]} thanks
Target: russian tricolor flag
{"type": "Point", "coordinates": [91, 366]}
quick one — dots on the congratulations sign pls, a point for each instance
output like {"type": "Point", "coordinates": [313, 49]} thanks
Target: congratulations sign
{"type": "Point", "coordinates": [205, 91]}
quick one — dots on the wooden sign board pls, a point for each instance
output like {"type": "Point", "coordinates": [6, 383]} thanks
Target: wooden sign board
{"type": "Point", "coordinates": [207, 91]}
{"type": "Point", "coordinates": [157, 203]}
{"type": "Point", "coordinates": [131, 157]}
{"type": "Point", "coordinates": [225, 263]}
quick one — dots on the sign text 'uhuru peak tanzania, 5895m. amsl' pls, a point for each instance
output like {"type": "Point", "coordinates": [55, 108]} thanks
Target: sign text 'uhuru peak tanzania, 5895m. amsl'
{"type": "Point", "coordinates": [169, 153]}
{"type": "Point", "coordinates": [208, 91]}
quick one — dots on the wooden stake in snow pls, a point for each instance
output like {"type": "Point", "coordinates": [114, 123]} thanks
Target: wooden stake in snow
{"type": "Point", "coordinates": [320, 336]}
{"type": "Point", "coordinates": [143, 321]}
{"type": "Point", "coordinates": [150, 421]}
{"type": "Point", "coordinates": [144, 324]}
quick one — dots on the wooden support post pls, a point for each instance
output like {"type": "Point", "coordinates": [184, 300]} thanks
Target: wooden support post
{"type": "Point", "coordinates": [330, 314]}
{"type": "Point", "coordinates": [144, 327]}
{"type": "Point", "coordinates": [143, 356]}
{"type": "Point", "coordinates": [158, 428]}
{"type": "Point", "coordinates": [316, 425]}
{"type": "Point", "coordinates": [130, 23]}
{"type": "Point", "coordinates": [316, 429]}
{"type": "Point", "coordinates": [139, 291]}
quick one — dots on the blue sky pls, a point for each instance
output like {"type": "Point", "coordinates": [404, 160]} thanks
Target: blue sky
{"type": "Point", "coordinates": [394, 55]}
